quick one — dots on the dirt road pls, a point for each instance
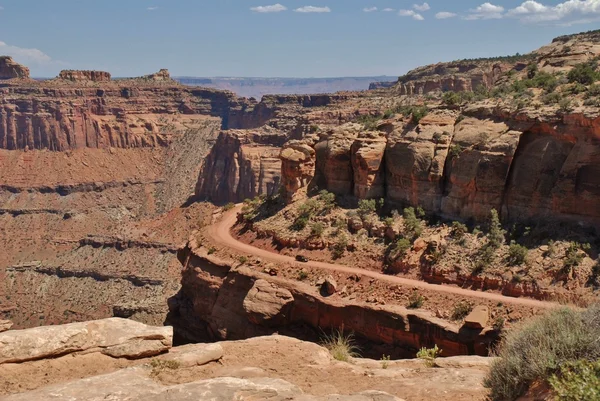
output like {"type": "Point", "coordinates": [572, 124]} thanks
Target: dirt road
{"type": "Point", "coordinates": [220, 232]}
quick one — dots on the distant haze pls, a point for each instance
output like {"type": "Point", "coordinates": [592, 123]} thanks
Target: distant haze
{"type": "Point", "coordinates": [257, 87]}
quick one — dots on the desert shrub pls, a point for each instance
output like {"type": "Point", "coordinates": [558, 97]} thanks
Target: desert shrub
{"type": "Point", "coordinates": [584, 73]}
{"type": "Point", "coordinates": [538, 348]}
{"type": "Point", "coordinates": [499, 323]}
{"type": "Point", "coordinates": [551, 249]}
{"type": "Point", "coordinates": [416, 112]}
{"type": "Point", "coordinates": [429, 355]}
{"type": "Point", "coordinates": [251, 208]}
{"type": "Point", "coordinates": [517, 254]}
{"type": "Point", "coordinates": [159, 366]}
{"type": "Point", "coordinates": [594, 278]}
{"type": "Point", "coordinates": [496, 233]}
{"type": "Point", "coordinates": [460, 310]}
{"type": "Point", "coordinates": [437, 137]}
{"type": "Point", "coordinates": [552, 98]}
{"type": "Point", "coordinates": [577, 381]}
{"type": "Point", "coordinates": [593, 90]}
{"type": "Point", "coordinates": [300, 223]}
{"type": "Point", "coordinates": [565, 104]}
{"type": "Point", "coordinates": [412, 225]}
{"type": "Point", "coordinates": [451, 98]}
{"type": "Point", "coordinates": [316, 229]}
{"type": "Point", "coordinates": [401, 247]}
{"type": "Point", "coordinates": [388, 221]}
{"type": "Point", "coordinates": [415, 301]}
{"type": "Point", "coordinates": [574, 256]}
{"type": "Point", "coordinates": [341, 346]}
{"type": "Point", "coordinates": [455, 150]}
{"type": "Point", "coordinates": [228, 206]}
{"type": "Point", "coordinates": [212, 250]}
{"type": "Point", "coordinates": [302, 275]}
{"type": "Point", "coordinates": [459, 230]}
{"type": "Point", "coordinates": [385, 361]}
{"type": "Point", "coordinates": [243, 259]}
{"type": "Point", "coordinates": [485, 257]}
{"type": "Point", "coordinates": [420, 212]}
{"type": "Point", "coordinates": [339, 248]}
{"type": "Point", "coordinates": [388, 114]}
{"type": "Point", "coordinates": [367, 206]}
{"type": "Point", "coordinates": [328, 200]}
{"type": "Point", "coordinates": [369, 122]}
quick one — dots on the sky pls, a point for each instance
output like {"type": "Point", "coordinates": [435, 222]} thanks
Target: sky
{"type": "Point", "coordinates": [277, 38]}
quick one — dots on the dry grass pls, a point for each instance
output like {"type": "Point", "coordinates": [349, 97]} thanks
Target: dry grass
{"type": "Point", "coordinates": [341, 346]}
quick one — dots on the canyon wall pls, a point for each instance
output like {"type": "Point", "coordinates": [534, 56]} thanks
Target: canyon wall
{"type": "Point", "coordinates": [220, 302]}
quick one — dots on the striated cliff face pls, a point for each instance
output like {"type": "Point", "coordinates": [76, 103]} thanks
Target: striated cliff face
{"type": "Point", "coordinates": [297, 169]}
{"type": "Point", "coordinates": [10, 69]}
{"type": "Point", "coordinates": [220, 302]}
{"type": "Point", "coordinates": [242, 164]}
{"type": "Point", "coordinates": [455, 76]}
{"type": "Point", "coordinates": [127, 114]}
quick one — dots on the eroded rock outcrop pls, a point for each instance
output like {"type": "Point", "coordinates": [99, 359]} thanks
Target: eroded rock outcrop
{"type": "Point", "coordinates": [368, 161]}
{"type": "Point", "coordinates": [241, 165]}
{"type": "Point", "coordinates": [10, 69]}
{"type": "Point", "coordinates": [84, 75]}
{"type": "Point", "coordinates": [115, 337]}
{"type": "Point", "coordinates": [212, 305]}
{"type": "Point", "coordinates": [297, 168]}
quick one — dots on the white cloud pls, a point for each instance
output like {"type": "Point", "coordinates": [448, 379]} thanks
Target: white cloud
{"type": "Point", "coordinates": [566, 13]}
{"type": "Point", "coordinates": [152, 8]}
{"type": "Point", "coordinates": [445, 15]}
{"type": "Point", "coordinates": [421, 7]}
{"type": "Point", "coordinates": [313, 9]}
{"type": "Point", "coordinates": [369, 9]}
{"type": "Point", "coordinates": [486, 11]}
{"type": "Point", "coordinates": [388, 10]}
{"type": "Point", "coordinates": [411, 13]}
{"type": "Point", "coordinates": [275, 8]}
{"type": "Point", "coordinates": [24, 55]}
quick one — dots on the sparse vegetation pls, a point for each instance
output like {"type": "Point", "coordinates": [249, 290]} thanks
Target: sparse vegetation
{"type": "Point", "coordinates": [496, 232]}
{"type": "Point", "coordinates": [455, 150]}
{"type": "Point", "coordinates": [415, 301]}
{"type": "Point", "coordinates": [517, 254]}
{"type": "Point", "coordinates": [339, 248]}
{"type": "Point", "coordinates": [584, 73]}
{"type": "Point", "coordinates": [429, 355]}
{"type": "Point", "coordinates": [577, 381]}
{"type": "Point", "coordinates": [413, 227]}
{"type": "Point", "coordinates": [385, 361]}
{"type": "Point", "coordinates": [228, 206]}
{"type": "Point", "coordinates": [538, 349]}
{"type": "Point", "coordinates": [461, 310]}
{"type": "Point", "coordinates": [574, 255]}
{"type": "Point", "coordinates": [212, 250]}
{"type": "Point", "coordinates": [459, 230]}
{"type": "Point", "coordinates": [160, 365]}
{"type": "Point", "coordinates": [341, 346]}
{"type": "Point", "coordinates": [316, 229]}
{"type": "Point", "coordinates": [366, 207]}
{"type": "Point", "coordinates": [400, 248]}
{"type": "Point", "coordinates": [243, 259]}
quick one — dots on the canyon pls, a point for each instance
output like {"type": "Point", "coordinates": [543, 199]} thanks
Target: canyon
{"type": "Point", "coordinates": [114, 194]}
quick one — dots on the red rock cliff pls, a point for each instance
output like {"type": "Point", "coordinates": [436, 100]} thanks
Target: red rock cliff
{"type": "Point", "coordinates": [9, 69]}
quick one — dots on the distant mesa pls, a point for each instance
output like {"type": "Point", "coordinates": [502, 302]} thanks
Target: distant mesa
{"type": "Point", "coordinates": [162, 75]}
{"type": "Point", "coordinates": [84, 75]}
{"type": "Point", "coordinates": [9, 69]}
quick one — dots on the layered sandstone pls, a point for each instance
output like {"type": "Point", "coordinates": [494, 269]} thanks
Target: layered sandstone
{"type": "Point", "coordinates": [84, 75]}
{"type": "Point", "coordinates": [241, 165]}
{"type": "Point", "coordinates": [297, 168]}
{"type": "Point", "coordinates": [218, 301]}
{"type": "Point", "coordinates": [9, 69]}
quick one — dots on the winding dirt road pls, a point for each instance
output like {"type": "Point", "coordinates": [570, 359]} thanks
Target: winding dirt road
{"type": "Point", "coordinates": [221, 234]}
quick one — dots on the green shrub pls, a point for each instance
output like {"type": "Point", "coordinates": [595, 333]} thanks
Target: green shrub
{"type": "Point", "coordinates": [552, 98]}
{"type": "Point", "coordinates": [389, 222]}
{"type": "Point", "coordinates": [577, 381]}
{"type": "Point", "coordinates": [496, 233]}
{"type": "Point", "coordinates": [369, 122]}
{"type": "Point", "coordinates": [385, 361]}
{"type": "Point", "coordinates": [584, 73]}
{"type": "Point", "coordinates": [517, 254]}
{"type": "Point", "coordinates": [388, 114]}
{"type": "Point", "coordinates": [455, 150]}
{"type": "Point", "coordinates": [412, 225]}
{"type": "Point", "coordinates": [212, 250]}
{"type": "Point", "coordinates": [565, 105]}
{"type": "Point", "coordinates": [341, 346]}
{"type": "Point", "coordinates": [328, 200]}
{"type": "Point", "coordinates": [459, 230]}
{"type": "Point", "coordinates": [418, 113]}
{"type": "Point", "coordinates": [573, 256]}
{"type": "Point", "coordinates": [316, 229]}
{"type": "Point", "coordinates": [401, 247]}
{"type": "Point", "coordinates": [300, 223]}
{"type": "Point", "coordinates": [451, 98]}
{"type": "Point", "coordinates": [228, 206]}
{"type": "Point", "coordinates": [302, 275]}
{"type": "Point", "coordinates": [461, 310]}
{"type": "Point", "coordinates": [367, 206]}
{"type": "Point", "coordinates": [415, 301]}
{"type": "Point", "coordinates": [243, 259]}
{"type": "Point", "coordinates": [339, 248]}
{"type": "Point", "coordinates": [429, 355]}
{"type": "Point", "coordinates": [536, 350]}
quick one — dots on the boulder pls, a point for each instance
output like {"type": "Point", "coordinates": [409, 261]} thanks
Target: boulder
{"type": "Point", "coordinates": [329, 286]}
{"type": "Point", "coordinates": [478, 318]}
{"type": "Point", "coordinates": [191, 355]}
{"type": "Point", "coordinates": [5, 325]}
{"type": "Point", "coordinates": [10, 69]}
{"type": "Point", "coordinates": [266, 303]}
{"type": "Point", "coordinates": [115, 337]}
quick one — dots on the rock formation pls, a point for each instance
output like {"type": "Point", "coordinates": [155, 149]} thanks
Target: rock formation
{"type": "Point", "coordinates": [219, 302]}
{"type": "Point", "coordinates": [297, 168]}
{"type": "Point", "coordinates": [162, 75]}
{"type": "Point", "coordinates": [84, 75]}
{"type": "Point", "coordinates": [9, 69]}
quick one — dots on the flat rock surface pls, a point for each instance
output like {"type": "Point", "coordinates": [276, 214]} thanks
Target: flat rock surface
{"type": "Point", "coordinates": [119, 338]}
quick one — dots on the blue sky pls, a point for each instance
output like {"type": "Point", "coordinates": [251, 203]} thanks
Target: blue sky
{"type": "Point", "coordinates": [283, 38]}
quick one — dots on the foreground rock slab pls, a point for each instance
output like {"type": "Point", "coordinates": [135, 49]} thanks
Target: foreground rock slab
{"type": "Point", "coordinates": [5, 325]}
{"type": "Point", "coordinates": [134, 384]}
{"type": "Point", "coordinates": [115, 337]}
